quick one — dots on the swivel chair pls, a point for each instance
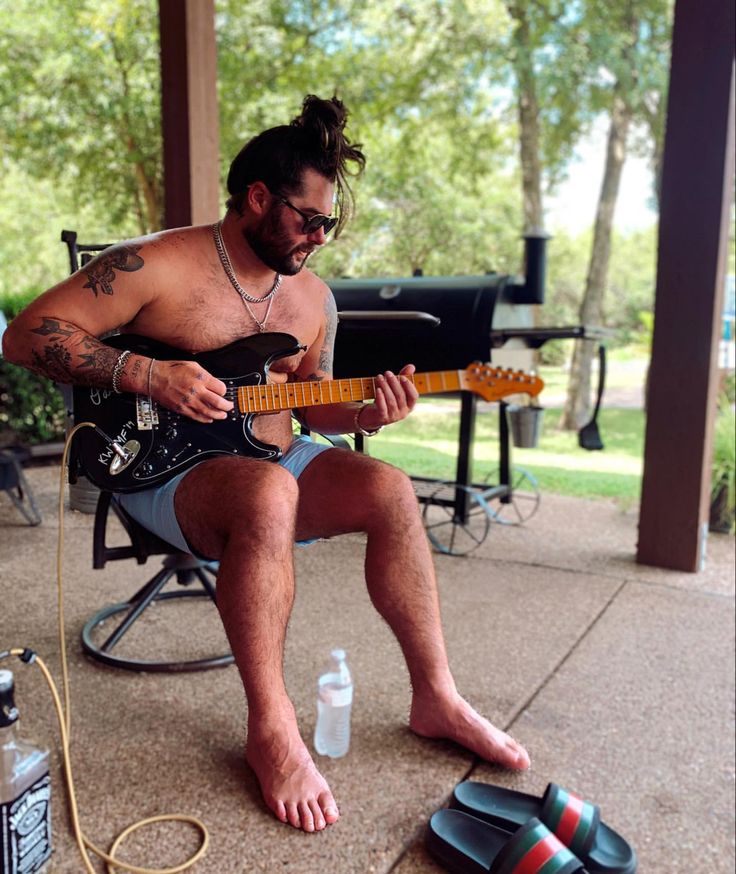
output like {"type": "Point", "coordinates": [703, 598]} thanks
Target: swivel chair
{"type": "Point", "coordinates": [193, 577]}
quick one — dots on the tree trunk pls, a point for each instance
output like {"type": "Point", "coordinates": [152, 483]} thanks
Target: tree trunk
{"type": "Point", "coordinates": [528, 109]}
{"type": "Point", "coordinates": [578, 404]}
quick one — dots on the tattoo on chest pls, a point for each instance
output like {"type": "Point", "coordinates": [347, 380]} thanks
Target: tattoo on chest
{"type": "Point", "coordinates": [101, 270]}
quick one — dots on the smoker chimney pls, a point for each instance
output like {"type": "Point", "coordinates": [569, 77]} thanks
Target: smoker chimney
{"type": "Point", "coordinates": [535, 268]}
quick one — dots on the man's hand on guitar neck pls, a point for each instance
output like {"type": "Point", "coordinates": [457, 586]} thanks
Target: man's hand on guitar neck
{"type": "Point", "coordinates": [183, 386]}
{"type": "Point", "coordinates": [395, 399]}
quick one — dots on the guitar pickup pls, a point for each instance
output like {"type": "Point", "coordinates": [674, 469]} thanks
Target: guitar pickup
{"type": "Point", "coordinates": [146, 413]}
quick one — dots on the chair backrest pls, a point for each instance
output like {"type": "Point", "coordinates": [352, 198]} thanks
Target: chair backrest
{"type": "Point", "coordinates": [80, 253]}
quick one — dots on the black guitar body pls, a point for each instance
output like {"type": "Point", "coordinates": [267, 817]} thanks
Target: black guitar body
{"type": "Point", "coordinates": [158, 443]}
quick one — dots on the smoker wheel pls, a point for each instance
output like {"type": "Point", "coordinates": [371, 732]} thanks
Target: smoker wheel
{"type": "Point", "coordinates": [519, 503]}
{"type": "Point", "coordinates": [449, 533]}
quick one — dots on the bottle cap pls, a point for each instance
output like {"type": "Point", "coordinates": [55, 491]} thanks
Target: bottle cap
{"type": "Point", "coordinates": [338, 655]}
{"type": "Point", "coordinates": [8, 711]}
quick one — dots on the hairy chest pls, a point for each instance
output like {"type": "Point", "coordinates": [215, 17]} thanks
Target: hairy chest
{"type": "Point", "coordinates": [210, 315]}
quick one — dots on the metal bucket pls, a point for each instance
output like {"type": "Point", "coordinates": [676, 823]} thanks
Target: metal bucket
{"type": "Point", "coordinates": [525, 424]}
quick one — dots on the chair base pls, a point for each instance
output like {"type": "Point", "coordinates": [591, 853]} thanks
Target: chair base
{"type": "Point", "coordinates": [185, 569]}
{"type": "Point", "coordinates": [14, 483]}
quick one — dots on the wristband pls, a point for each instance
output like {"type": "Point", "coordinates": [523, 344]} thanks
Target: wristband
{"type": "Point", "coordinates": [117, 371]}
{"type": "Point", "coordinates": [359, 429]}
{"type": "Point", "coordinates": [150, 374]}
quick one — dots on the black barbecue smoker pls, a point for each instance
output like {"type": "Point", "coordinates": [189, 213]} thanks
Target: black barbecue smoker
{"type": "Point", "coordinates": [445, 323]}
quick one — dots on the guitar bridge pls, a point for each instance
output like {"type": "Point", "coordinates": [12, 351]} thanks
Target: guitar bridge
{"type": "Point", "coordinates": [146, 413]}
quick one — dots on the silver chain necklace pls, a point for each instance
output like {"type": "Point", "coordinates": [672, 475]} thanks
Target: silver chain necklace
{"type": "Point", "coordinates": [230, 273]}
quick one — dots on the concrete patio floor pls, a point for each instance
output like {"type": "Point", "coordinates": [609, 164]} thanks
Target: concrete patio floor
{"type": "Point", "coordinates": [618, 678]}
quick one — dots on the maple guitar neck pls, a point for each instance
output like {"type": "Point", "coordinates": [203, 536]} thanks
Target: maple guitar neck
{"type": "Point", "coordinates": [271, 397]}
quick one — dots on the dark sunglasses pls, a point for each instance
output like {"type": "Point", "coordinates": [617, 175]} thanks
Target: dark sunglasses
{"type": "Point", "coordinates": [312, 223]}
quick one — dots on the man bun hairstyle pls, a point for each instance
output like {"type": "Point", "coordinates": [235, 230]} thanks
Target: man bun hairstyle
{"type": "Point", "coordinates": [314, 140]}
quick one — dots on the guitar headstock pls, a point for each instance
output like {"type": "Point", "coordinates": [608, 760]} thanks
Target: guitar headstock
{"type": "Point", "coordinates": [494, 383]}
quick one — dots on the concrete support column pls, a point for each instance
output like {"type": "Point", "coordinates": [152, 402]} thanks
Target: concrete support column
{"type": "Point", "coordinates": [189, 112]}
{"type": "Point", "coordinates": [697, 180]}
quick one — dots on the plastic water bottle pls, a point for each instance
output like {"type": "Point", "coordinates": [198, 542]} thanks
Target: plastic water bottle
{"type": "Point", "coordinates": [25, 790]}
{"type": "Point", "coordinates": [334, 702]}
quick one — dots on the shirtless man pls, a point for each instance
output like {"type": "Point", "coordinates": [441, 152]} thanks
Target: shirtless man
{"type": "Point", "coordinates": [200, 288]}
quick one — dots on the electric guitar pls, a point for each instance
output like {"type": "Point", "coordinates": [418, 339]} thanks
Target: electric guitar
{"type": "Point", "coordinates": [137, 444]}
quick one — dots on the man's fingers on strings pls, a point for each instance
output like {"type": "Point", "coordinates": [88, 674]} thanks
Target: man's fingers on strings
{"type": "Point", "coordinates": [217, 405]}
{"type": "Point", "coordinates": [399, 395]}
{"type": "Point", "coordinates": [218, 387]}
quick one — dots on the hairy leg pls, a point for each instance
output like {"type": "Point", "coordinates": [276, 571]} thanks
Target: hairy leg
{"type": "Point", "coordinates": [242, 513]}
{"type": "Point", "coordinates": [342, 492]}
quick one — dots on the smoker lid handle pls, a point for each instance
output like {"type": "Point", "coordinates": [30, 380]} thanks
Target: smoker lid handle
{"type": "Point", "coordinates": [388, 316]}
{"type": "Point", "coordinates": [536, 337]}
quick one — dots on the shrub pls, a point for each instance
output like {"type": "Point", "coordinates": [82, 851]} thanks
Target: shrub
{"type": "Point", "coordinates": [31, 407]}
{"type": "Point", "coordinates": [723, 471]}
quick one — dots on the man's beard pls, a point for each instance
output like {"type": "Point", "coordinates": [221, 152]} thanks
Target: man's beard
{"type": "Point", "coordinates": [270, 243]}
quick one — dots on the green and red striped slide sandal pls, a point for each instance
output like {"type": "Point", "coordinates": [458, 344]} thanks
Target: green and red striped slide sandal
{"type": "Point", "coordinates": [576, 823]}
{"type": "Point", "coordinates": [466, 845]}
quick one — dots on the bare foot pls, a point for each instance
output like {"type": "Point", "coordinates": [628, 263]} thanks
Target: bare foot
{"type": "Point", "coordinates": [454, 719]}
{"type": "Point", "coordinates": [292, 786]}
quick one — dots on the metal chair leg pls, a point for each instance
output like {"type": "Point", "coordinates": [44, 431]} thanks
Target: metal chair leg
{"type": "Point", "coordinates": [178, 566]}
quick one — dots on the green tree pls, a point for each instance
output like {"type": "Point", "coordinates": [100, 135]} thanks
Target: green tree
{"type": "Point", "coordinates": [547, 55]}
{"type": "Point", "coordinates": [440, 170]}
{"type": "Point", "coordinates": [630, 46]}
{"type": "Point", "coordinates": [79, 103]}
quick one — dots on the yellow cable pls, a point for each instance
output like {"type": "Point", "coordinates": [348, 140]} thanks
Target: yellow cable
{"type": "Point", "coordinates": [63, 713]}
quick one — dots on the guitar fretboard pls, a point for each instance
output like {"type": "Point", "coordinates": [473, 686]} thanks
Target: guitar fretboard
{"type": "Point", "coordinates": [290, 395]}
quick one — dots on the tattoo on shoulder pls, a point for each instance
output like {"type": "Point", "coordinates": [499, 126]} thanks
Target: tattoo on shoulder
{"type": "Point", "coordinates": [101, 270]}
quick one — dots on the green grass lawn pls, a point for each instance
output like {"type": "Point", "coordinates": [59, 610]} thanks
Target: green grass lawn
{"type": "Point", "coordinates": [426, 444]}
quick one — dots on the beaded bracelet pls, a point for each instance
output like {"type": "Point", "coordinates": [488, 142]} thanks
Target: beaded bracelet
{"type": "Point", "coordinates": [117, 371]}
{"type": "Point", "coordinates": [359, 429]}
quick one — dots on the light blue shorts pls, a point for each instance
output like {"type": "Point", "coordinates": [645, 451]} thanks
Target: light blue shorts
{"type": "Point", "coordinates": [154, 508]}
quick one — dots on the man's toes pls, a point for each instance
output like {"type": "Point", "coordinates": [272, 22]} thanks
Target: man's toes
{"type": "Point", "coordinates": [329, 808]}
{"type": "Point", "coordinates": [306, 817]}
{"type": "Point", "coordinates": [518, 756]}
{"type": "Point", "coordinates": [317, 815]}
{"type": "Point", "coordinates": [292, 814]}
{"type": "Point", "coordinates": [280, 811]}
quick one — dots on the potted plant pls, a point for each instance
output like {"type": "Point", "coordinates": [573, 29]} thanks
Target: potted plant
{"type": "Point", "coordinates": [723, 470]}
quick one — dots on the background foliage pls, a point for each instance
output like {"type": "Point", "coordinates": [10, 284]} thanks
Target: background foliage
{"type": "Point", "coordinates": [432, 89]}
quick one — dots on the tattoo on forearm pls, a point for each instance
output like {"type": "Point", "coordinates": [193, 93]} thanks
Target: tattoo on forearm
{"type": "Point", "coordinates": [101, 270]}
{"type": "Point", "coordinates": [54, 362]}
{"type": "Point", "coordinates": [99, 363]}
{"type": "Point", "coordinates": [136, 368]}
{"type": "Point", "coordinates": [53, 328]}
{"type": "Point", "coordinates": [71, 355]}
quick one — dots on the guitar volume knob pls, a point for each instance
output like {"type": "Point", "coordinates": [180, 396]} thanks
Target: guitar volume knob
{"type": "Point", "coordinates": [171, 433]}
